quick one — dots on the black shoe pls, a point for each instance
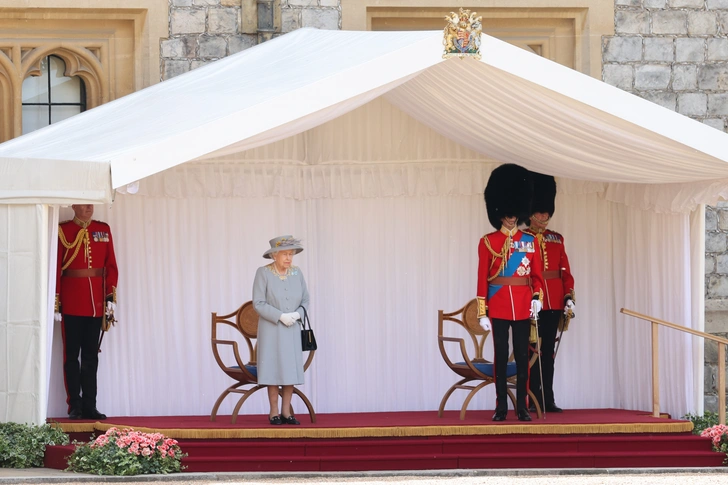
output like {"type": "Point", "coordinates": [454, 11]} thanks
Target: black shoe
{"type": "Point", "coordinates": [93, 414]}
{"type": "Point", "coordinates": [290, 419]}
{"type": "Point", "coordinates": [75, 414]}
{"type": "Point", "coordinates": [532, 408]}
{"type": "Point", "coordinates": [553, 408]}
{"type": "Point", "coordinates": [275, 420]}
{"type": "Point", "coordinates": [523, 415]}
{"type": "Point", "coordinates": [500, 415]}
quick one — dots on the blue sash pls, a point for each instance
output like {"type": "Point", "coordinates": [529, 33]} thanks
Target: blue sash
{"type": "Point", "coordinates": [513, 262]}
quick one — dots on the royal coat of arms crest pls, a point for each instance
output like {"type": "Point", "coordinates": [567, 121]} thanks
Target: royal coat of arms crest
{"type": "Point", "coordinates": [462, 35]}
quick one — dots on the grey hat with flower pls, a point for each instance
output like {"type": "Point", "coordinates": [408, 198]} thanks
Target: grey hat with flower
{"type": "Point", "coordinates": [283, 243]}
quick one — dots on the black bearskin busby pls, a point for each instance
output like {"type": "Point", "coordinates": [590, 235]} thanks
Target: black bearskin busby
{"type": "Point", "coordinates": [508, 193]}
{"type": "Point", "coordinates": [544, 193]}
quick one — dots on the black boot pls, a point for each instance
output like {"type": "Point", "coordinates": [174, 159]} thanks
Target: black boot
{"type": "Point", "coordinates": [75, 413]}
{"type": "Point", "coordinates": [500, 414]}
{"type": "Point", "coordinates": [553, 408]}
{"type": "Point", "coordinates": [93, 414]}
{"type": "Point", "coordinates": [523, 415]}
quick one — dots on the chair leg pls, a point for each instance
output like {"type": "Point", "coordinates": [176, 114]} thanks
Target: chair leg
{"type": "Point", "coordinates": [448, 394]}
{"type": "Point", "coordinates": [535, 402]}
{"type": "Point", "coordinates": [220, 399]}
{"type": "Point", "coordinates": [470, 396]}
{"type": "Point", "coordinates": [305, 400]}
{"type": "Point", "coordinates": [512, 397]}
{"type": "Point", "coordinates": [245, 396]}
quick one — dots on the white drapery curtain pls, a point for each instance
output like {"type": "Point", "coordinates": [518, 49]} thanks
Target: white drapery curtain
{"type": "Point", "coordinates": [379, 265]}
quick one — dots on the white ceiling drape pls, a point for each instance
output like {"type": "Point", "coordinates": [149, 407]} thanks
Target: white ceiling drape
{"type": "Point", "coordinates": [511, 106]}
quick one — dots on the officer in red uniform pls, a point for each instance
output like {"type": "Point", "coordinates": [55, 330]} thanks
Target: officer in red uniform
{"type": "Point", "coordinates": [86, 280]}
{"type": "Point", "coordinates": [558, 295]}
{"type": "Point", "coordinates": [509, 281]}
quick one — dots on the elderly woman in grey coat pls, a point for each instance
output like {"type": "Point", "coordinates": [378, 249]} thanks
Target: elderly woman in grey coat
{"type": "Point", "coordinates": [279, 296]}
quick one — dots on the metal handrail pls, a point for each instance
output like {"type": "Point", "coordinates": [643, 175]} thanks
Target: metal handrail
{"type": "Point", "coordinates": [722, 342]}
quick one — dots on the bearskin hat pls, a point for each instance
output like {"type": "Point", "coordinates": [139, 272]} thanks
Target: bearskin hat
{"type": "Point", "coordinates": [508, 193]}
{"type": "Point", "coordinates": [544, 193]}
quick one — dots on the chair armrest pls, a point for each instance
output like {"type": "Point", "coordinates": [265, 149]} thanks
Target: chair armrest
{"type": "Point", "coordinates": [463, 351]}
{"type": "Point", "coordinates": [236, 354]}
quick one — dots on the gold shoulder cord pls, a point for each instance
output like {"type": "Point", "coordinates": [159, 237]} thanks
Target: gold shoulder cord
{"type": "Point", "coordinates": [544, 254]}
{"type": "Point", "coordinates": [76, 244]}
{"type": "Point", "coordinates": [502, 255]}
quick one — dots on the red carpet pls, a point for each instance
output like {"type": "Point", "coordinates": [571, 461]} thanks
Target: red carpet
{"type": "Point", "coordinates": [593, 438]}
{"type": "Point", "coordinates": [420, 423]}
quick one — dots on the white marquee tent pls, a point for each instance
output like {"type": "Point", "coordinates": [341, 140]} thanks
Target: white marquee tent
{"type": "Point", "coordinates": [375, 151]}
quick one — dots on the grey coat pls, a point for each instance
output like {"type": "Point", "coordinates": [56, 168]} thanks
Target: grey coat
{"type": "Point", "coordinates": [280, 358]}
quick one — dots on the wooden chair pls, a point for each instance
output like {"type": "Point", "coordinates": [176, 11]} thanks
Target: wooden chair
{"type": "Point", "coordinates": [246, 322]}
{"type": "Point", "coordinates": [472, 369]}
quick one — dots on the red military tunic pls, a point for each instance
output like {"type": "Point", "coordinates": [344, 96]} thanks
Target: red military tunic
{"type": "Point", "coordinates": [515, 256]}
{"type": "Point", "coordinates": [87, 272]}
{"type": "Point", "coordinates": [556, 269]}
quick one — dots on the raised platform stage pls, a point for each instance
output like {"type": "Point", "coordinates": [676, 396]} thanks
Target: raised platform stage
{"type": "Point", "coordinates": [593, 438]}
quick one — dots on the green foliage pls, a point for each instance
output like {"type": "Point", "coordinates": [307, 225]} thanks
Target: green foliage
{"type": "Point", "coordinates": [23, 445]}
{"type": "Point", "coordinates": [127, 452]}
{"type": "Point", "coordinates": [703, 422]}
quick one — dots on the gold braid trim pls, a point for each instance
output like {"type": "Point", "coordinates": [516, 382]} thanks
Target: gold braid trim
{"type": "Point", "coordinates": [482, 307]}
{"type": "Point", "coordinates": [502, 255]}
{"type": "Point", "coordinates": [76, 244]}
{"type": "Point", "coordinates": [662, 425]}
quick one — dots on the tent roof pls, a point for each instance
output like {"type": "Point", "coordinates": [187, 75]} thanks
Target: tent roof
{"type": "Point", "coordinates": [512, 106]}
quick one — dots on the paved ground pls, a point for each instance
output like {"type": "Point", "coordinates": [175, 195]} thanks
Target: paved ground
{"type": "Point", "coordinates": [685, 476]}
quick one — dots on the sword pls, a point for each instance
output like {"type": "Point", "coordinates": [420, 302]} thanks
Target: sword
{"type": "Point", "coordinates": [107, 320]}
{"type": "Point", "coordinates": [101, 339]}
{"type": "Point", "coordinates": [565, 324]}
{"type": "Point", "coordinates": [534, 321]}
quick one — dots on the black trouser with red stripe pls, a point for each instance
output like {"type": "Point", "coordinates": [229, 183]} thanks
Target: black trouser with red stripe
{"type": "Point", "coordinates": [81, 334]}
{"type": "Point", "coordinates": [548, 327]}
{"type": "Point", "coordinates": [521, 330]}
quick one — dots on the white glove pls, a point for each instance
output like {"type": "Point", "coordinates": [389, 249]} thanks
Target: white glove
{"type": "Point", "coordinates": [110, 307]}
{"type": "Point", "coordinates": [570, 307]}
{"type": "Point", "coordinates": [536, 306]}
{"type": "Point", "coordinates": [296, 316]}
{"type": "Point", "coordinates": [57, 317]}
{"type": "Point", "coordinates": [485, 323]}
{"type": "Point", "coordinates": [287, 319]}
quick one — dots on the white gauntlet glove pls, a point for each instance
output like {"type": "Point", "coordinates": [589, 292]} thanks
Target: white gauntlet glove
{"type": "Point", "coordinates": [569, 308]}
{"type": "Point", "coordinates": [287, 319]}
{"type": "Point", "coordinates": [57, 316]}
{"type": "Point", "coordinates": [485, 323]}
{"type": "Point", "coordinates": [110, 308]}
{"type": "Point", "coordinates": [536, 306]}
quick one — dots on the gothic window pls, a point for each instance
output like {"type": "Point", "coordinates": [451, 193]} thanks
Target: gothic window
{"type": "Point", "coordinates": [51, 96]}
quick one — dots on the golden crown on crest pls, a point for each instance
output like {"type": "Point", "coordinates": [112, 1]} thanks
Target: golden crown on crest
{"type": "Point", "coordinates": [462, 35]}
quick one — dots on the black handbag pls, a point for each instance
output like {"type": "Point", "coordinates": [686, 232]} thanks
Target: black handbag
{"type": "Point", "coordinates": [308, 340]}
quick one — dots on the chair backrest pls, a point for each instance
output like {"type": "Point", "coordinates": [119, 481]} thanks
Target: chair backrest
{"type": "Point", "coordinates": [245, 322]}
{"type": "Point", "coordinates": [467, 318]}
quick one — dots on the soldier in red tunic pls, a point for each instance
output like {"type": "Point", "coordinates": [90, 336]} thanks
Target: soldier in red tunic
{"type": "Point", "coordinates": [509, 281]}
{"type": "Point", "coordinates": [558, 296]}
{"type": "Point", "coordinates": [86, 280]}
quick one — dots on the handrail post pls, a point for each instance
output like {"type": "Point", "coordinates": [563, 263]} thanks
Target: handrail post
{"type": "Point", "coordinates": [721, 383]}
{"type": "Point", "coordinates": [655, 372]}
{"type": "Point", "coordinates": [722, 342]}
